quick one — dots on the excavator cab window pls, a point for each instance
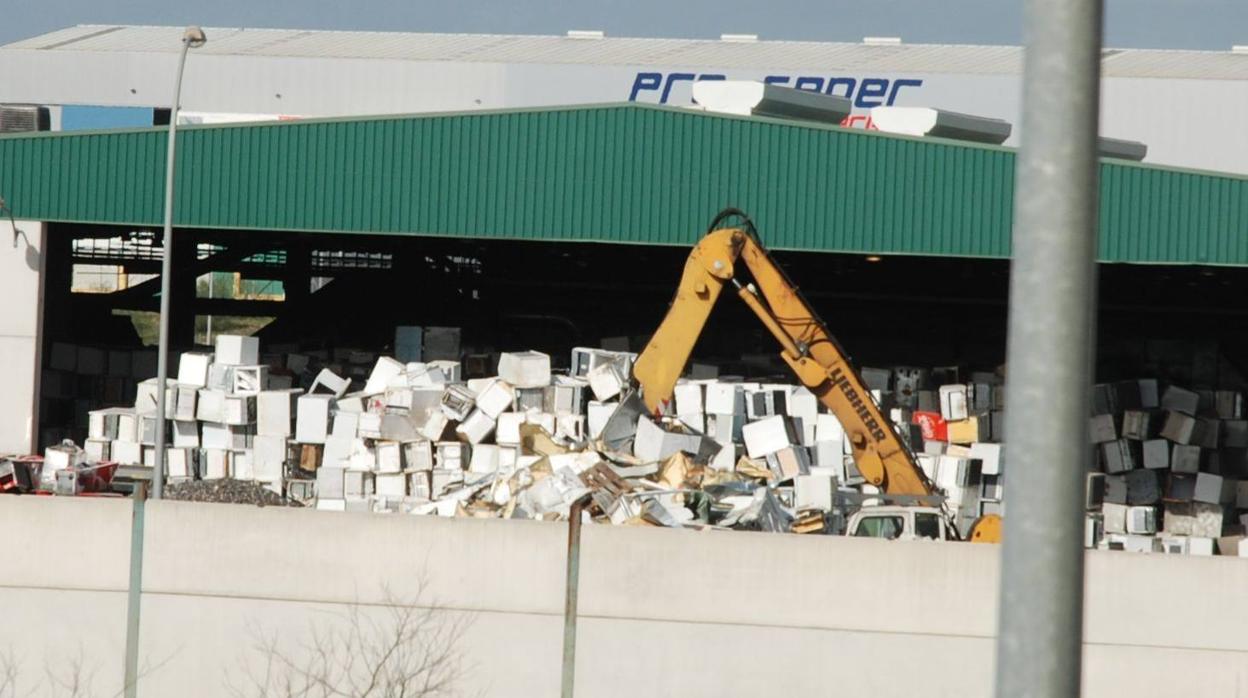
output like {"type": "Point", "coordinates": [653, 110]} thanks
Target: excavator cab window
{"type": "Point", "coordinates": [884, 527]}
{"type": "Point", "coordinates": [927, 526]}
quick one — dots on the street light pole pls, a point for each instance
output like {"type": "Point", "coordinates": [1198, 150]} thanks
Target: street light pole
{"type": "Point", "coordinates": [193, 37]}
{"type": "Point", "coordinates": [1049, 353]}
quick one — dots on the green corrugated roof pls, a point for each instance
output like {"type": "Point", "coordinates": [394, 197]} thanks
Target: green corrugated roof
{"type": "Point", "coordinates": [614, 173]}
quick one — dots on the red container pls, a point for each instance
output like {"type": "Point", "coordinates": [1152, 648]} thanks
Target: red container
{"type": "Point", "coordinates": [933, 426]}
{"type": "Point", "coordinates": [96, 478]}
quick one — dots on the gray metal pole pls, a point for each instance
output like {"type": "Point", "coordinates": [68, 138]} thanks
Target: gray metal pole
{"type": "Point", "coordinates": [1049, 353]}
{"type": "Point", "coordinates": [135, 596]}
{"type": "Point", "coordinates": [166, 265]}
{"type": "Point", "coordinates": [570, 591]}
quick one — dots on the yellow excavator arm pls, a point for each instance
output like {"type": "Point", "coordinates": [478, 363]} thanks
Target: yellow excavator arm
{"type": "Point", "coordinates": [807, 347]}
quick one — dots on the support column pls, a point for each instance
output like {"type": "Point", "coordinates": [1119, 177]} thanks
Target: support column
{"type": "Point", "coordinates": [182, 305]}
{"type": "Point", "coordinates": [297, 279]}
{"type": "Point", "coordinates": [21, 347]}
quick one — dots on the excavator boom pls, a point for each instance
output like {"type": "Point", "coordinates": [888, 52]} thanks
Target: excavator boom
{"type": "Point", "coordinates": [807, 347]}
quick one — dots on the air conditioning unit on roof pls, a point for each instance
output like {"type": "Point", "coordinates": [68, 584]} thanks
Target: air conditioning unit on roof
{"type": "Point", "coordinates": [18, 118]}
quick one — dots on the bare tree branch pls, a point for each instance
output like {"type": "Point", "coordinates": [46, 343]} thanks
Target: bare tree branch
{"type": "Point", "coordinates": [402, 648]}
{"type": "Point", "coordinates": [65, 675]}
{"type": "Point", "coordinates": [8, 674]}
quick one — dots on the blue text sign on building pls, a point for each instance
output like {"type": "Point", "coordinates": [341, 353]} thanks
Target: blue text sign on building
{"type": "Point", "coordinates": [865, 92]}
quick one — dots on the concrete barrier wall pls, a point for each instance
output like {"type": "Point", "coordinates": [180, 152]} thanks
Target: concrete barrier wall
{"type": "Point", "coordinates": [64, 571]}
{"type": "Point", "coordinates": [662, 612]}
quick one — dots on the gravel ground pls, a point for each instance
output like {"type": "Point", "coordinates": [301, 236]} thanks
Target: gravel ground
{"type": "Point", "coordinates": [225, 491]}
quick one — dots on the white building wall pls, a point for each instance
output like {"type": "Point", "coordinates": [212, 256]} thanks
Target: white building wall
{"type": "Point", "coordinates": [1185, 122]}
{"type": "Point", "coordinates": [21, 316]}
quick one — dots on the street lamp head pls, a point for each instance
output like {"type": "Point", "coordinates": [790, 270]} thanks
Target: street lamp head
{"type": "Point", "coordinates": [194, 37]}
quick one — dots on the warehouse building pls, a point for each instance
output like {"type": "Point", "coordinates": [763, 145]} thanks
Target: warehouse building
{"type": "Point", "coordinates": [545, 227]}
{"type": "Point", "coordinates": [558, 227]}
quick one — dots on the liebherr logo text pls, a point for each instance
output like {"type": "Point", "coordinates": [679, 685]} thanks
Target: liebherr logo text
{"type": "Point", "coordinates": [855, 400]}
{"type": "Point", "coordinates": [865, 92]}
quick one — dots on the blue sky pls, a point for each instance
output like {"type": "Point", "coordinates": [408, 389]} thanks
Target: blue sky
{"type": "Point", "coordinates": [1205, 24]}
